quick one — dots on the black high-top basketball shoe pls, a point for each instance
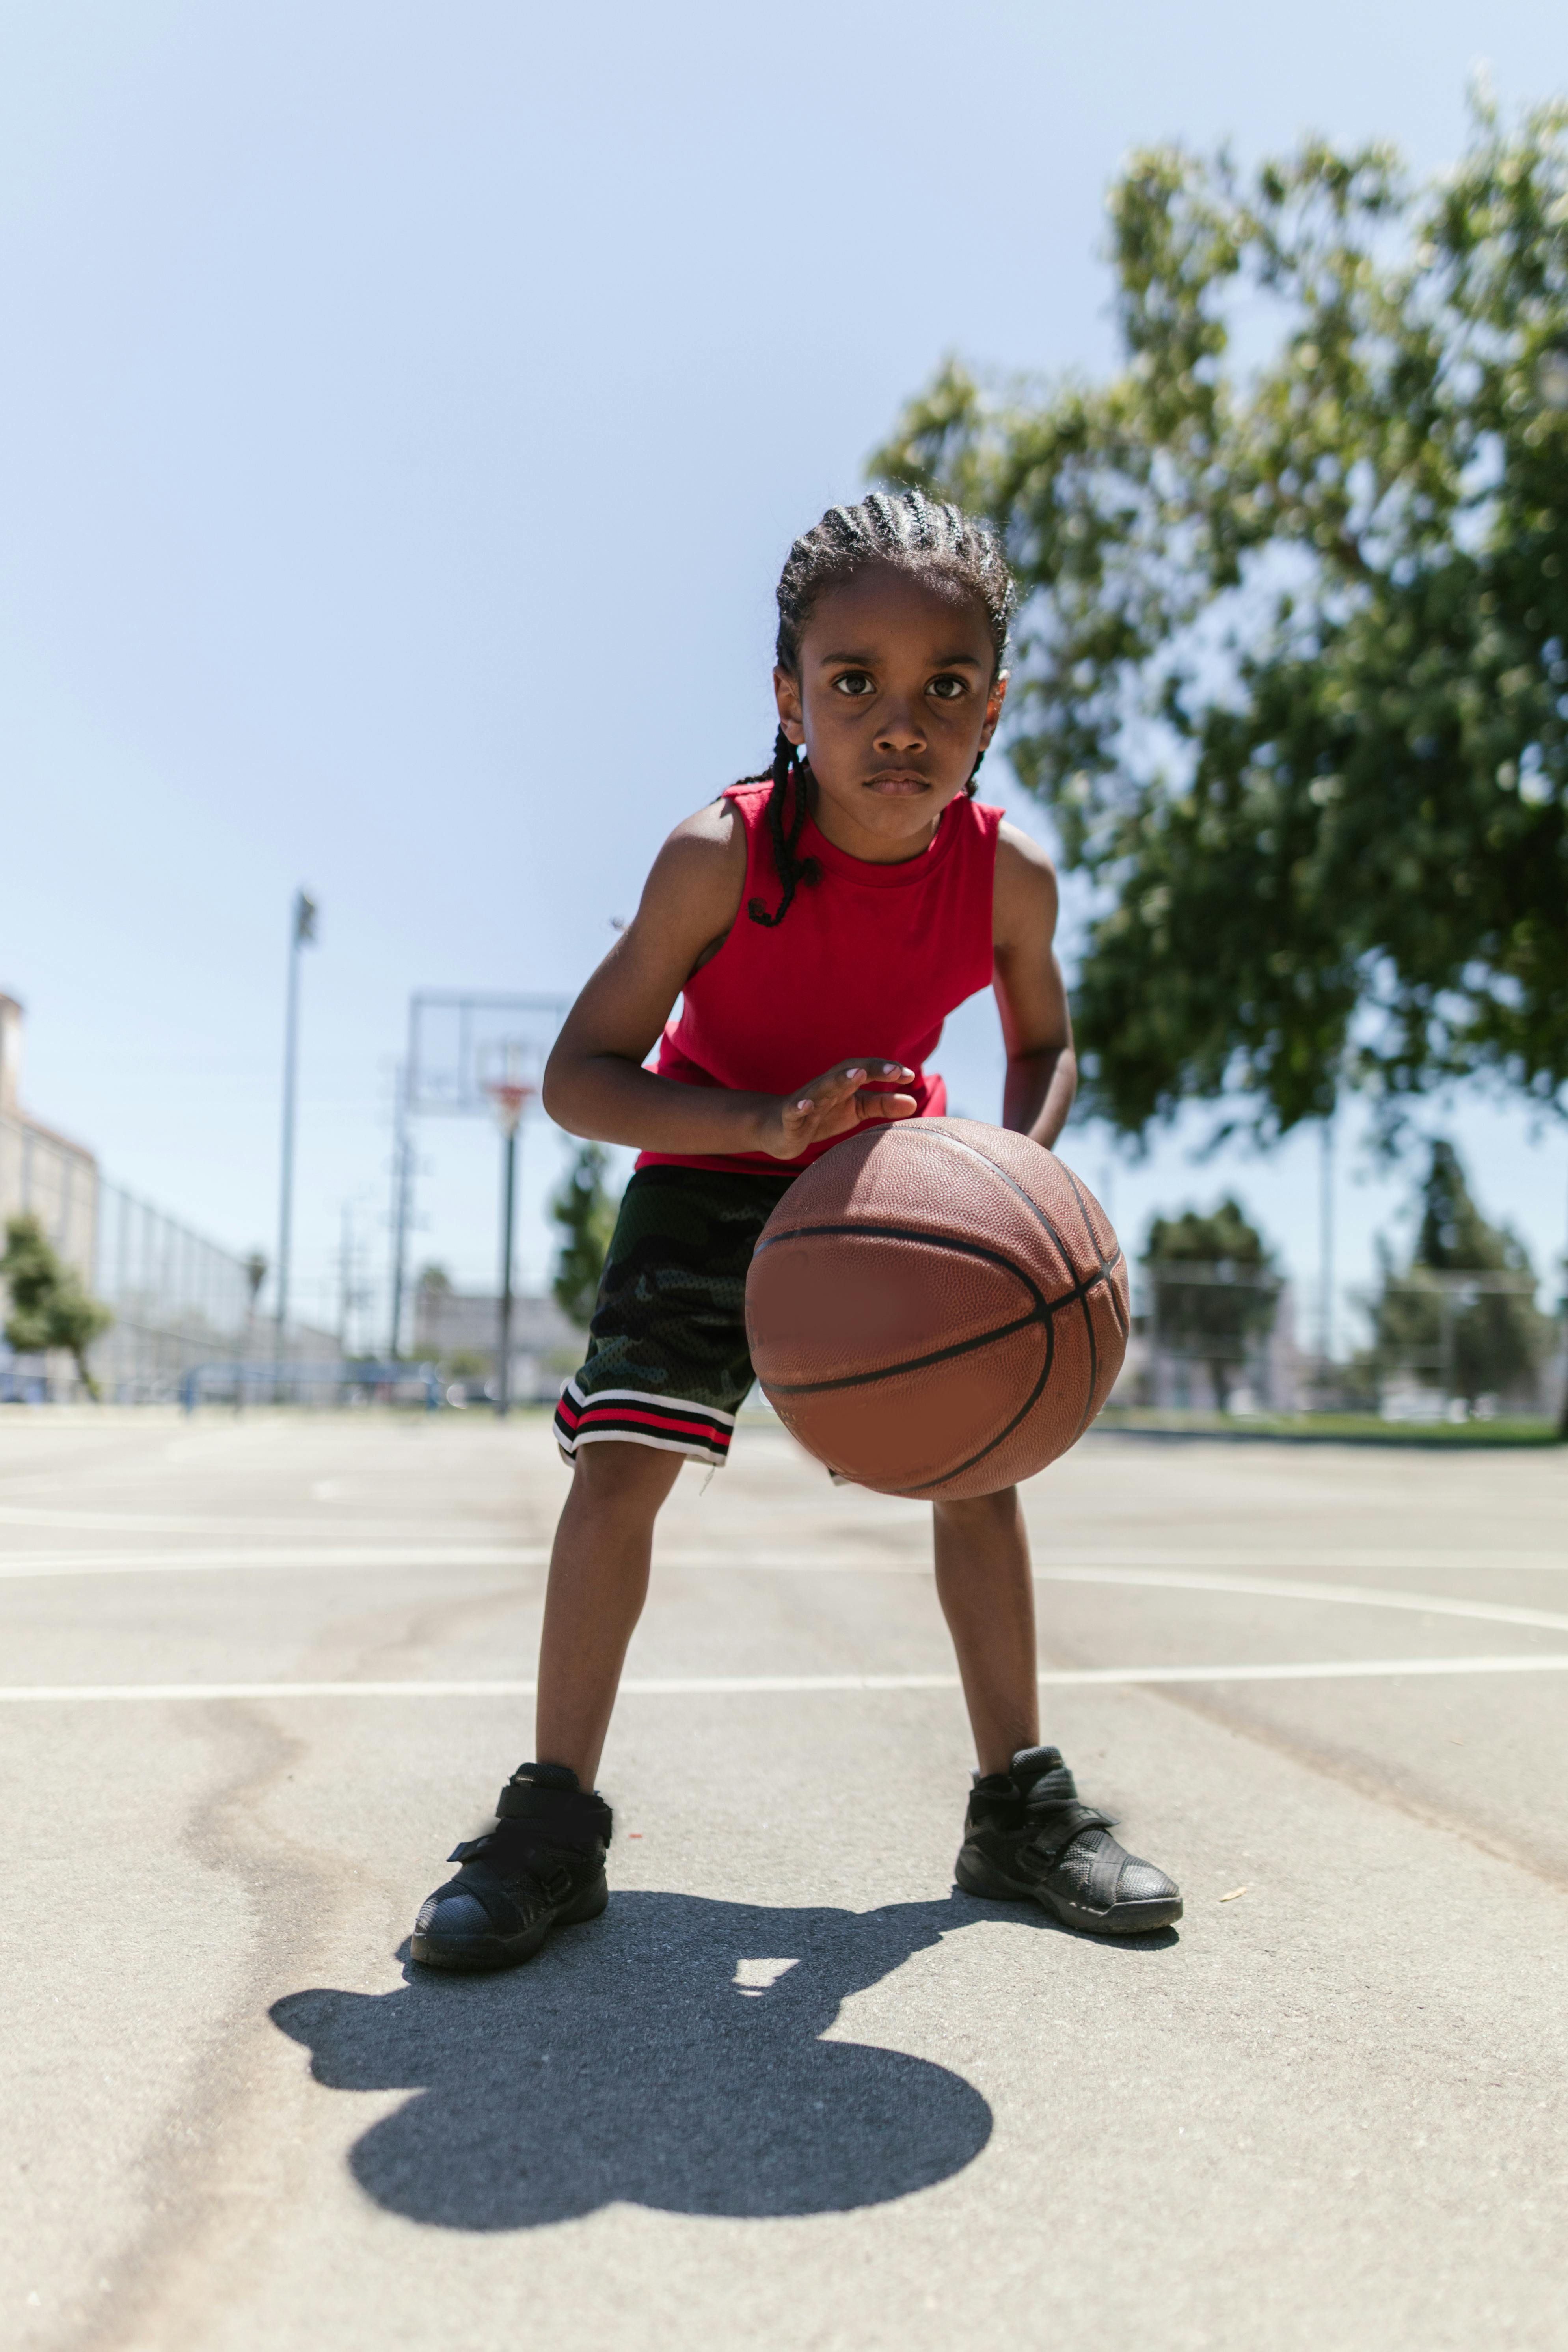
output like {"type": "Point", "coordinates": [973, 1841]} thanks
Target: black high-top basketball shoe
{"type": "Point", "coordinates": [542, 1866]}
{"type": "Point", "coordinates": [1027, 1837]}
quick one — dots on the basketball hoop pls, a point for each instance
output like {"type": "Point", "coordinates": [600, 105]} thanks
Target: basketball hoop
{"type": "Point", "coordinates": [509, 1098]}
{"type": "Point", "coordinates": [512, 1081]}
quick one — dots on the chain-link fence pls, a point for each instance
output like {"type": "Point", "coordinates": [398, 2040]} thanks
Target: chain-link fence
{"type": "Point", "coordinates": [176, 1298]}
{"type": "Point", "coordinates": [1452, 1343]}
{"type": "Point", "coordinates": [1211, 1338]}
{"type": "Point", "coordinates": [178, 1301]}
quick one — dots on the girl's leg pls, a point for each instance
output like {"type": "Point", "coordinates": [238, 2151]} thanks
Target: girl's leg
{"type": "Point", "coordinates": [987, 1595]}
{"type": "Point", "coordinates": [598, 1582]}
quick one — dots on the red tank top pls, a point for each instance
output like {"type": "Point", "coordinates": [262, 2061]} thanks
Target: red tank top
{"type": "Point", "coordinates": [871, 961]}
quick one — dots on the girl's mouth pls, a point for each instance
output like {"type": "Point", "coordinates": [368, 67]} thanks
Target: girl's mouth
{"type": "Point", "coordinates": [897, 783]}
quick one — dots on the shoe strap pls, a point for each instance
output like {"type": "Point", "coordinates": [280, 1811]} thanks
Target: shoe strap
{"type": "Point", "coordinates": [1056, 1822]}
{"type": "Point", "coordinates": [1105, 1873]}
{"type": "Point", "coordinates": [573, 1817]}
{"type": "Point", "coordinates": [491, 1884]}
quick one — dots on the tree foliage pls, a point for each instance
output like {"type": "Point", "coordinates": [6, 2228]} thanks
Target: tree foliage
{"type": "Point", "coordinates": [1291, 674]}
{"type": "Point", "coordinates": [1473, 1343]}
{"type": "Point", "coordinates": [49, 1304]}
{"type": "Point", "coordinates": [585, 1210]}
{"type": "Point", "coordinates": [1215, 1290]}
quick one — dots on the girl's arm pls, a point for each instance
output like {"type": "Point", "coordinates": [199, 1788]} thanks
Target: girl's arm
{"type": "Point", "coordinates": [595, 1084]}
{"type": "Point", "coordinates": [1042, 1068]}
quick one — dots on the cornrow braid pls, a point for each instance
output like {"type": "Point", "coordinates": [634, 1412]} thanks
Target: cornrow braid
{"type": "Point", "coordinates": [911, 533]}
{"type": "Point", "coordinates": [791, 870]}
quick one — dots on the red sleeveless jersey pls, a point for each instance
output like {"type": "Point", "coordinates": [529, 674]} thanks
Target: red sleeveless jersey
{"type": "Point", "coordinates": [869, 964]}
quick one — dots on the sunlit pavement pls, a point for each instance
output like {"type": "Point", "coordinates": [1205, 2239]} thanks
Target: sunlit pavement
{"type": "Point", "coordinates": [792, 2090]}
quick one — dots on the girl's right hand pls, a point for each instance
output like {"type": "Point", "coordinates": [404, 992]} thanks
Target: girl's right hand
{"type": "Point", "coordinates": [831, 1106]}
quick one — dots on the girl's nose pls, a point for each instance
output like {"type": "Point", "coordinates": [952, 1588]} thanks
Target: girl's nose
{"type": "Point", "coordinates": [901, 731]}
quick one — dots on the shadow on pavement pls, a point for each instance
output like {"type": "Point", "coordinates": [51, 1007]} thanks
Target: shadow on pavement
{"type": "Point", "coordinates": [641, 2058]}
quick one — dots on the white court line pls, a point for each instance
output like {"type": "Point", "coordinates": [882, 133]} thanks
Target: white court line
{"type": "Point", "coordinates": [1277, 1588]}
{"type": "Point", "coordinates": [725, 1685]}
{"type": "Point", "coordinates": [236, 1558]}
{"type": "Point", "coordinates": [364, 1556]}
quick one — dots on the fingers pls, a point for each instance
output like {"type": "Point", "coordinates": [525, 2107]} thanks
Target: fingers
{"type": "Point", "coordinates": [836, 1086]}
{"type": "Point", "coordinates": [886, 1105]}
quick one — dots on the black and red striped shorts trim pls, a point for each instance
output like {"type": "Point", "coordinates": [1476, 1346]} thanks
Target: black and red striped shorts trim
{"type": "Point", "coordinates": [668, 1363]}
{"type": "Point", "coordinates": [634, 1417]}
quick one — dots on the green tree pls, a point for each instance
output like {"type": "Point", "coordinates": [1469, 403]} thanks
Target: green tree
{"type": "Point", "coordinates": [49, 1304]}
{"type": "Point", "coordinates": [1472, 1342]}
{"type": "Point", "coordinates": [1216, 1290]}
{"type": "Point", "coordinates": [1291, 674]}
{"type": "Point", "coordinates": [585, 1211]}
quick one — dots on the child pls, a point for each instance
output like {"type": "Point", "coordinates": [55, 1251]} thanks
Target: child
{"type": "Point", "coordinates": [819, 923]}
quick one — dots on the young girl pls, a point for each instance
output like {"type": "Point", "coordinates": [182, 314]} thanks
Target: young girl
{"type": "Point", "coordinates": [818, 923]}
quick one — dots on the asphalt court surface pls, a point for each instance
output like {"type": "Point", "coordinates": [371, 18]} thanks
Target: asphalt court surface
{"type": "Point", "coordinates": [794, 2090]}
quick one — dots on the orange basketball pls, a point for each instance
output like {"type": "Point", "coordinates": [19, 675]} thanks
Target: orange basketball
{"type": "Point", "coordinates": [938, 1309]}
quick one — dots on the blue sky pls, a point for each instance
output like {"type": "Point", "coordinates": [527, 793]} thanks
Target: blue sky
{"type": "Point", "coordinates": [407, 410]}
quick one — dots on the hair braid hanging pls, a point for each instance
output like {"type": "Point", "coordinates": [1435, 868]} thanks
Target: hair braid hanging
{"type": "Point", "coordinates": [787, 771]}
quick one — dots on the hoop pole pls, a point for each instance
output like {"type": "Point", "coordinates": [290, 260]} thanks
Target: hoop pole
{"type": "Point", "coordinates": [508, 1201]}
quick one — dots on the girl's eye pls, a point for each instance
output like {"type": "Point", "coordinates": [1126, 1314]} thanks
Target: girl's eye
{"type": "Point", "coordinates": [854, 682]}
{"type": "Point", "coordinates": [947, 689]}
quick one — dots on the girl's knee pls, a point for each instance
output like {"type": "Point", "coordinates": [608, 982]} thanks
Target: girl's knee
{"type": "Point", "coordinates": [615, 1475]}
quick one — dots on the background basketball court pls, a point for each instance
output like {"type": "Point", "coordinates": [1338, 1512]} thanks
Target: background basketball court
{"type": "Point", "coordinates": [792, 2090]}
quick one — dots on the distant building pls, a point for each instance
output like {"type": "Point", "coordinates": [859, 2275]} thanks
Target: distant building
{"type": "Point", "coordinates": [43, 1174]}
{"type": "Point", "coordinates": [459, 1329]}
{"type": "Point", "coordinates": [178, 1299]}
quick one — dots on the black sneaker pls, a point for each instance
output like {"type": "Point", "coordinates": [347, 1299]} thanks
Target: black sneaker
{"type": "Point", "coordinates": [1027, 1837]}
{"type": "Point", "coordinates": [542, 1866]}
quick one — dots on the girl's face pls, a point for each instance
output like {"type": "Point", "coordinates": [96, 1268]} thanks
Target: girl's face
{"type": "Point", "coordinates": [895, 702]}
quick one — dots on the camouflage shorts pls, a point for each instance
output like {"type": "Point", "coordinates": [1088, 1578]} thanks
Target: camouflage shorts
{"type": "Point", "coordinates": [667, 1365]}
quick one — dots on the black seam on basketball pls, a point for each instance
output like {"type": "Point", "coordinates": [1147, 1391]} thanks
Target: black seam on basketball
{"type": "Point", "coordinates": [1046, 1311]}
{"type": "Point", "coordinates": [1024, 1410]}
{"type": "Point", "coordinates": [1107, 1263]}
{"type": "Point", "coordinates": [1088, 1313]}
{"type": "Point", "coordinates": [924, 1241]}
{"type": "Point", "coordinates": [1046, 1315]}
{"type": "Point", "coordinates": [1014, 1186]}
{"type": "Point", "coordinates": [1110, 1292]}
{"type": "Point", "coordinates": [941, 1240]}
{"type": "Point", "coordinates": [911, 1363]}
{"type": "Point", "coordinates": [944, 1241]}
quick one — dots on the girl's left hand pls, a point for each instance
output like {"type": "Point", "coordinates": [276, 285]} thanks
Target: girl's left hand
{"type": "Point", "coordinates": [832, 1105]}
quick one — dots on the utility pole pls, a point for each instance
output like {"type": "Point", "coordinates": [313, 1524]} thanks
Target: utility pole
{"type": "Point", "coordinates": [301, 933]}
{"type": "Point", "coordinates": [1326, 1245]}
{"type": "Point", "coordinates": [345, 1277]}
{"type": "Point", "coordinates": [509, 1098]}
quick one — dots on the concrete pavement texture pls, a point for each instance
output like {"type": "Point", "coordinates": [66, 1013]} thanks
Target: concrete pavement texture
{"type": "Point", "coordinates": [792, 2090]}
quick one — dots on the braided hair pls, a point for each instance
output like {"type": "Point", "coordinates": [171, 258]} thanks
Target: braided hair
{"type": "Point", "coordinates": [903, 529]}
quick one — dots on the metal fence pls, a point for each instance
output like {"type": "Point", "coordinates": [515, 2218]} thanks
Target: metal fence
{"type": "Point", "coordinates": [1207, 1336]}
{"type": "Point", "coordinates": [179, 1301]}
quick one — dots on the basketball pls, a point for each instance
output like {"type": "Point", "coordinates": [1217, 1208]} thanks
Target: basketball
{"type": "Point", "coordinates": [938, 1309]}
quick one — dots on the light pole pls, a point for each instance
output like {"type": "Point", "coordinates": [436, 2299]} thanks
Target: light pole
{"type": "Point", "coordinates": [402, 1209]}
{"type": "Point", "coordinates": [509, 1098]}
{"type": "Point", "coordinates": [301, 933]}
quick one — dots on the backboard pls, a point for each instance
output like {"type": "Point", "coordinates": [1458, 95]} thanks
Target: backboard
{"type": "Point", "coordinates": [461, 1045]}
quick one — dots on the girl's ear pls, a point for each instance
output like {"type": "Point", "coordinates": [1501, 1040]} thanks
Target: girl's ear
{"type": "Point", "coordinates": [993, 702]}
{"type": "Point", "coordinates": [786, 694]}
